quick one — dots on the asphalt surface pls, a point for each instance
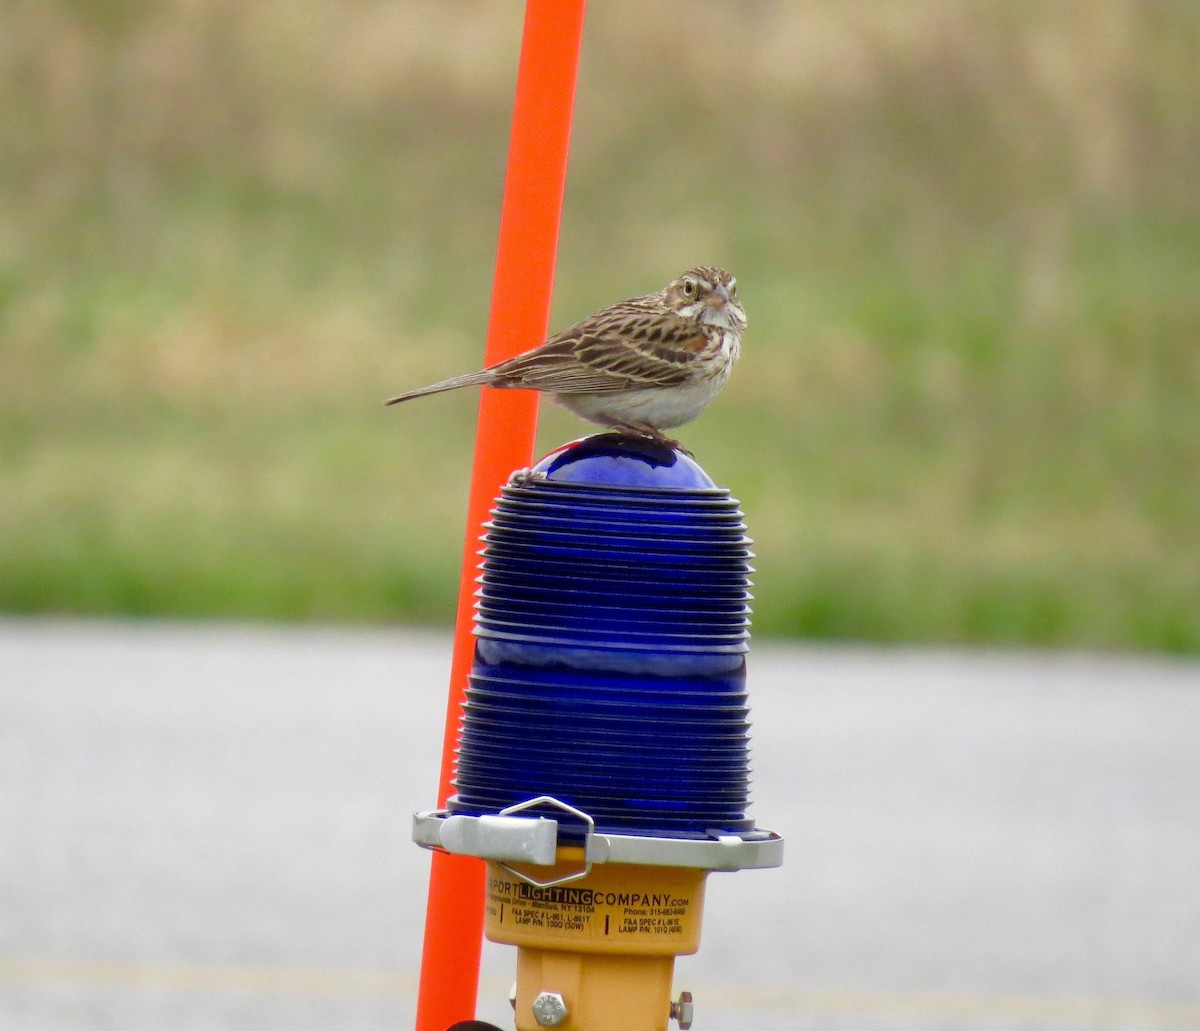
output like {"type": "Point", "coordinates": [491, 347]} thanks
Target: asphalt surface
{"type": "Point", "coordinates": [208, 827]}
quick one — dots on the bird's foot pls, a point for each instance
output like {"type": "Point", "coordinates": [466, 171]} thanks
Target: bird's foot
{"type": "Point", "coordinates": [635, 429]}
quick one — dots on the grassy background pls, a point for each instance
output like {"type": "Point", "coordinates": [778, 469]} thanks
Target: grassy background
{"type": "Point", "coordinates": [967, 235]}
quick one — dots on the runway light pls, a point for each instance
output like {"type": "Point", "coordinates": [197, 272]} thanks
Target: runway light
{"type": "Point", "coordinates": [603, 760]}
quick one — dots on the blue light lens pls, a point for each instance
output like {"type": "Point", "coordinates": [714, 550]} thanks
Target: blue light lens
{"type": "Point", "coordinates": [611, 626]}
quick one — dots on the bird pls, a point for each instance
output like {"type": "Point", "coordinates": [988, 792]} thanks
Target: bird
{"type": "Point", "coordinates": [640, 366]}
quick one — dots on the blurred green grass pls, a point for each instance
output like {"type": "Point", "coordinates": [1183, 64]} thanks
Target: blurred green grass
{"type": "Point", "coordinates": [967, 233]}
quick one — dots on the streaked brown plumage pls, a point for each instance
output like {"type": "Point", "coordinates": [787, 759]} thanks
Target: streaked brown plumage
{"type": "Point", "coordinates": [643, 365]}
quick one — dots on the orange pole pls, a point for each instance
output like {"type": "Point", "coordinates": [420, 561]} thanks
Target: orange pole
{"type": "Point", "coordinates": [520, 313]}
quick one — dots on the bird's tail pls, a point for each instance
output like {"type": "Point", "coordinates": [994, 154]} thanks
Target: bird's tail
{"type": "Point", "coordinates": [470, 379]}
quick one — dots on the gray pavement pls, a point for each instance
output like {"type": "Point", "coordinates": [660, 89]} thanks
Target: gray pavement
{"type": "Point", "coordinates": [207, 827]}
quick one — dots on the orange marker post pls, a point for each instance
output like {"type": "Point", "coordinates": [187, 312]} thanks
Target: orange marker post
{"type": "Point", "coordinates": [520, 313]}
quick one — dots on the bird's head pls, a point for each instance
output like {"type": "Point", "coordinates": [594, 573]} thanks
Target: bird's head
{"type": "Point", "coordinates": [709, 295]}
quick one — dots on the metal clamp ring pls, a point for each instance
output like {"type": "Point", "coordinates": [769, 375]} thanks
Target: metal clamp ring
{"type": "Point", "coordinates": [590, 827]}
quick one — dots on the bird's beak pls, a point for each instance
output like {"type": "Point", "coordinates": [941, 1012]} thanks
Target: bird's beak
{"type": "Point", "coordinates": [719, 297]}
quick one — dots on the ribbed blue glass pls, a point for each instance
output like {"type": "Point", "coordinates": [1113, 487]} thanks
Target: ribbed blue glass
{"type": "Point", "coordinates": [612, 624]}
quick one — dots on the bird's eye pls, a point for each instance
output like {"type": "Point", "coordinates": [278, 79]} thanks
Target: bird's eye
{"type": "Point", "coordinates": [689, 288]}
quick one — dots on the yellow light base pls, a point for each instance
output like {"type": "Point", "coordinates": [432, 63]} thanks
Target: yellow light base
{"type": "Point", "coordinates": [600, 992]}
{"type": "Point", "coordinates": [605, 943]}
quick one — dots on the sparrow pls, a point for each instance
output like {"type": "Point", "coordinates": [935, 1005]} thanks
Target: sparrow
{"type": "Point", "coordinates": [640, 366]}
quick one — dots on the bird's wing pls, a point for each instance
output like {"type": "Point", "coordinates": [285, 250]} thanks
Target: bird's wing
{"type": "Point", "coordinates": [600, 358]}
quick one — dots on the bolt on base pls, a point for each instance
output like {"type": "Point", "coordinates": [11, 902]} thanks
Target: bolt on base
{"type": "Point", "coordinates": [682, 1011]}
{"type": "Point", "coordinates": [549, 1009]}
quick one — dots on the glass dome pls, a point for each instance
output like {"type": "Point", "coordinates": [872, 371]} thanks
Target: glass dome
{"type": "Point", "coordinates": [612, 624]}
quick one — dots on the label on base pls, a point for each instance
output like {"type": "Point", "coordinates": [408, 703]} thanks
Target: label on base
{"type": "Point", "coordinates": [616, 907]}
